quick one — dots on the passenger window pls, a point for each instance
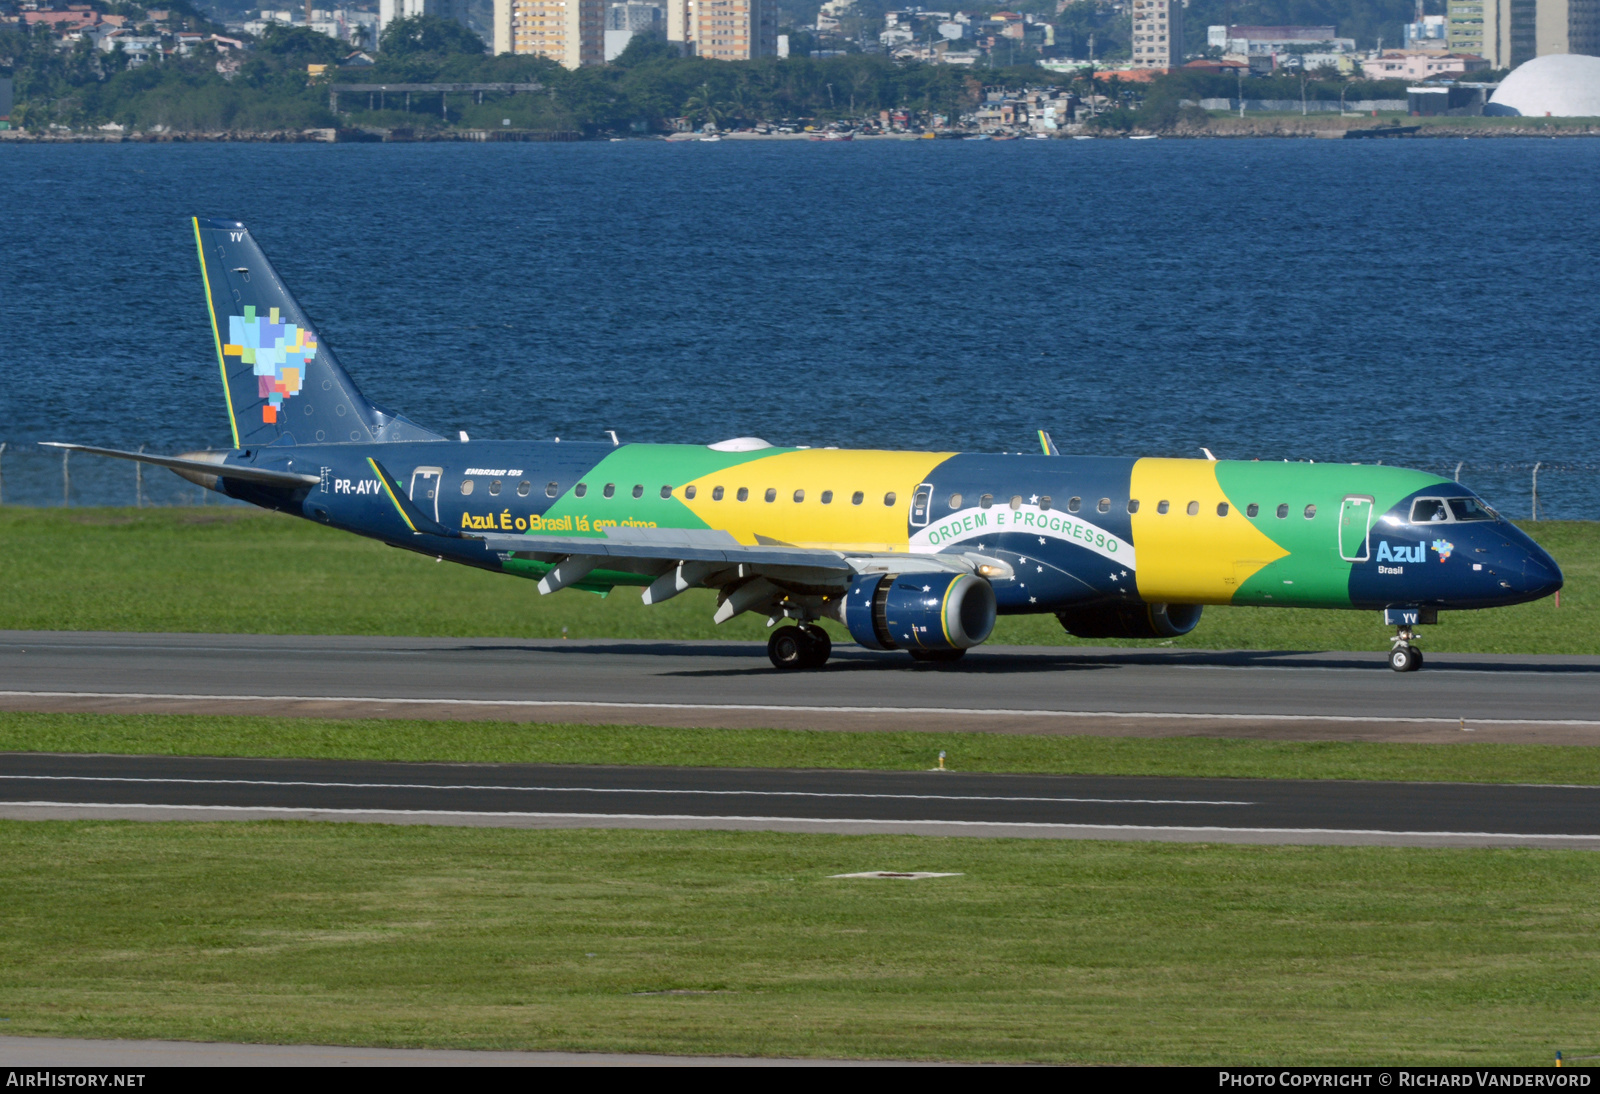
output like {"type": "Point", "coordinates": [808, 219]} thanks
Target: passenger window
{"type": "Point", "coordinates": [743, 494]}
{"type": "Point", "coordinates": [771, 494]}
{"type": "Point", "coordinates": [689, 493]}
{"type": "Point", "coordinates": [986, 501]}
{"type": "Point", "coordinates": [1252, 510]}
{"type": "Point", "coordinates": [466, 486]}
{"type": "Point", "coordinates": [827, 497]}
{"type": "Point", "coordinates": [1283, 511]}
{"type": "Point", "coordinates": [1074, 504]}
{"type": "Point", "coordinates": [955, 501]}
{"type": "Point", "coordinates": [716, 493]}
{"type": "Point", "coordinates": [610, 490]}
{"type": "Point", "coordinates": [888, 499]}
{"type": "Point", "coordinates": [1311, 511]}
{"type": "Point", "coordinates": [1133, 505]}
{"type": "Point", "coordinates": [494, 487]}
{"type": "Point", "coordinates": [1222, 508]}
{"type": "Point", "coordinates": [550, 490]}
{"type": "Point", "coordinates": [524, 487]}
{"type": "Point", "coordinates": [1044, 504]}
{"type": "Point", "coordinates": [1194, 509]}
{"type": "Point", "coordinates": [581, 489]}
{"type": "Point", "coordinates": [1104, 506]}
{"type": "Point", "coordinates": [799, 496]}
{"type": "Point", "coordinates": [1428, 511]}
{"type": "Point", "coordinates": [1163, 506]}
{"type": "Point", "coordinates": [638, 490]}
{"type": "Point", "coordinates": [1016, 502]}
{"type": "Point", "coordinates": [857, 498]}
{"type": "Point", "coordinates": [666, 491]}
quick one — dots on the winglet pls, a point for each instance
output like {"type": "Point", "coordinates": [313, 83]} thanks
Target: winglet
{"type": "Point", "coordinates": [415, 519]}
{"type": "Point", "coordinates": [1047, 444]}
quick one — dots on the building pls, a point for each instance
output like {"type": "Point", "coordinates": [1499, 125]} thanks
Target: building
{"type": "Point", "coordinates": [1429, 34]}
{"type": "Point", "coordinates": [625, 20]}
{"type": "Point", "coordinates": [571, 32]}
{"type": "Point", "coordinates": [1567, 26]}
{"type": "Point", "coordinates": [726, 30]}
{"type": "Point", "coordinates": [1558, 86]}
{"type": "Point", "coordinates": [1157, 33]}
{"type": "Point", "coordinates": [1398, 64]}
{"type": "Point", "coordinates": [1502, 31]}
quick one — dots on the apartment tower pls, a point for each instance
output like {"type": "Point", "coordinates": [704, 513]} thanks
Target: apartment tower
{"type": "Point", "coordinates": [1501, 31]}
{"type": "Point", "coordinates": [726, 30]}
{"type": "Point", "coordinates": [1157, 33]}
{"type": "Point", "coordinates": [572, 32]}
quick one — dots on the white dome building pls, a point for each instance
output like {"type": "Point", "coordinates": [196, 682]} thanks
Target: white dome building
{"type": "Point", "coordinates": [1557, 85]}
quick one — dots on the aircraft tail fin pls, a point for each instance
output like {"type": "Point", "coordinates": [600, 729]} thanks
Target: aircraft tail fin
{"type": "Point", "coordinates": [282, 382]}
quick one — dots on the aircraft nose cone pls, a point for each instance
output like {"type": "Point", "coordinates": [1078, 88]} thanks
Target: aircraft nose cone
{"type": "Point", "coordinates": [1540, 574]}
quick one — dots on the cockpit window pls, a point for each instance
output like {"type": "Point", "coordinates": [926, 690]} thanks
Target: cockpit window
{"type": "Point", "coordinates": [1470, 509]}
{"type": "Point", "coordinates": [1429, 511]}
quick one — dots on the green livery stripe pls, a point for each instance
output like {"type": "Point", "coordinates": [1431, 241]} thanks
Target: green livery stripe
{"type": "Point", "coordinates": [216, 334]}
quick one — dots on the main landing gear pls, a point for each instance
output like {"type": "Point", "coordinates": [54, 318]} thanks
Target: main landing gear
{"type": "Point", "coordinates": [1404, 657]}
{"type": "Point", "coordinates": [804, 647]}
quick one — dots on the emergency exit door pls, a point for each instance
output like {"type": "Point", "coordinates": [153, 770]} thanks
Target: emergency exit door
{"type": "Point", "coordinates": [1355, 522]}
{"type": "Point", "coordinates": [425, 489]}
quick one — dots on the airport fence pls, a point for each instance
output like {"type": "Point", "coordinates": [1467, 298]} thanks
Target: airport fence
{"type": "Point", "coordinates": [42, 478]}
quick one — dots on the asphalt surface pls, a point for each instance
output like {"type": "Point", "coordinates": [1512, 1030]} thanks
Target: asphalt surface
{"type": "Point", "coordinates": [1008, 689]}
{"type": "Point", "coordinates": [852, 802]}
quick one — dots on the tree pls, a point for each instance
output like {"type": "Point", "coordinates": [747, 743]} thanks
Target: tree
{"type": "Point", "coordinates": [301, 45]}
{"type": "Point", "coordinates": [428, 34]}
{"type": "Point", "coordinates": [647, 46]}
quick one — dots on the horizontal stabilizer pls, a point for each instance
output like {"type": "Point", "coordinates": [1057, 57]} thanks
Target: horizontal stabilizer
{"type": "Point", "coordinates": [419, 522]}
{"type": "Point", "coordinates": [182, 464]}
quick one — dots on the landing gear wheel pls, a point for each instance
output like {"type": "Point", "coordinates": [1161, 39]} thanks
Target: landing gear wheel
{"type": "Point", "coordinates": [789, 648]}
{"type": "Point", "coordinates": [821, 645]}
{"type": "Point", "coordinates": [937, 656]}
{"type": "Point", "coordinates": [1405, 659]}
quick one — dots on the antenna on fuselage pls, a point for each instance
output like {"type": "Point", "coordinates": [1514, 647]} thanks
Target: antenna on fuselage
{"type": "Point", "coordinates": [614, 441]}
{"type": "Point", "coordinates": [1207, 451]}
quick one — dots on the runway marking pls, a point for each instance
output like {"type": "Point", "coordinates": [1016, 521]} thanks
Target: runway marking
{"type": "Point", "coordinates": [778, 709]}
{"type": "Point", "coordinates": [609, 790]}
{"type": "Point", "coordinates": [830, 821]}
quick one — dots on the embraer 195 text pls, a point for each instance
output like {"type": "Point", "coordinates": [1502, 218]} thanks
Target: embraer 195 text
{"type": "Point", "coordinates": [914, 551]}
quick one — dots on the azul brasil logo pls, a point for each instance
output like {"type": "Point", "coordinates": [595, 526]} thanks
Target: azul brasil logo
{"type": "Point", "coordinates": [1412, 552]}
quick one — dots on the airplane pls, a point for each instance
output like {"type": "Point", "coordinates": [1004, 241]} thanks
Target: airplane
{"type": "Point", "coordinates": [911, 551]}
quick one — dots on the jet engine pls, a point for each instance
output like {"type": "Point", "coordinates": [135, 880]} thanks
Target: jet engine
{"type": "Point", "coordinates": [938, 611]}
{"type": "Point", "coordinates": [1136, 620]}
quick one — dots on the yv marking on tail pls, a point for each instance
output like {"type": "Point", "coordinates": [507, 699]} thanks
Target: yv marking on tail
{"type": "Point", "coordinates": [282, 382]}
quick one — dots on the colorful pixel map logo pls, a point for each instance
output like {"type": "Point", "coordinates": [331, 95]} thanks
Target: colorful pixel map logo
{"type": "Point", "coordinates": [1444, 547]}
{"type": "Point", "coordinates": [278, 351]}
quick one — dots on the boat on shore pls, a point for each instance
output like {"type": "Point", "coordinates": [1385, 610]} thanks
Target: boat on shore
{"type": "Point", "coordinates": [833, 135]}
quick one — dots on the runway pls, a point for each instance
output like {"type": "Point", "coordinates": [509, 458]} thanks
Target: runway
{"type": "Point", "coordinates": [1346, 696]}
{"type": "Point", "coordinates": [44, 786]}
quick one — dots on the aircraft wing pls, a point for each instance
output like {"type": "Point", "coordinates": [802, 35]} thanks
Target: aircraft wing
{"type": "Point", "coordinates": [750, 577]}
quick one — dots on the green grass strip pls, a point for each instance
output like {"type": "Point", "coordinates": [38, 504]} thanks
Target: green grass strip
{"type": "Point", "coordinates": [518, 742]}
{"type": "Point", "coordinates": [250, 572]}
{"type": "Point", "coordinates": [727, 942]}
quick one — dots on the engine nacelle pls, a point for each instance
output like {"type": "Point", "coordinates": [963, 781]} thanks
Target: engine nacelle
{"type": "Point", "coordinates": [1137, 620]}
{"type": "Point", "coordinates": [920, 611]}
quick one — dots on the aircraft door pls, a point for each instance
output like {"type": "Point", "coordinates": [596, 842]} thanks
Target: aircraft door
{"type": "Point", "coordinates": [425, 489]}
{"type": "Point", "coordinates": [1355, 522]}
{"type": "Point", "coordinates": [921, 503]}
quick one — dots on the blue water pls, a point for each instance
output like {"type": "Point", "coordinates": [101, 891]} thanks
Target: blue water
{"type": "Point", "coordinates": [1415, 302]}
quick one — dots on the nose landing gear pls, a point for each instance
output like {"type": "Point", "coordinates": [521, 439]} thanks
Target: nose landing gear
{"type": "Point", "coordinates": [1404, 657]}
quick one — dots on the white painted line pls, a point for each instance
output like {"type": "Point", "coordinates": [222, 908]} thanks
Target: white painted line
{"type": "Point", "coordinates": [607, 790]}
{"type": "Point", "coordinates": [777, 709]}
{"type": "Point", "coordinates": [828, 821]}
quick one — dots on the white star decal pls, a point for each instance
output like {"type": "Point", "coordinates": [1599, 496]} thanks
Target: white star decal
{"type": "Point", "coordinates": [927, 588]}
{"type": "Point", "coordinates": [1124, 573]}
{"type": "Point", "coordinates": [1041, 541]}
{"type": "Point", "coordinates": [1113, 577]}
{"type": "Point", "coordinates": [1033, 600]}
{"type": "Point", "coordinates": [1023, 561]}
{"type": "Point", "coordinates": [1034, 500]}
{"type": "Point", "coordinates": [1041, 569]}
{"type": "Point", "coordinates": [980, 546]}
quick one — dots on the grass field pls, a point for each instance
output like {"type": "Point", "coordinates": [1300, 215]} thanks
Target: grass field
{"type": "Point", "coordinates": [236, 571]}
{"type": "Point", "coordinates": [510, 742]}
{"type": "Point", "coordinates": [699, 942]}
